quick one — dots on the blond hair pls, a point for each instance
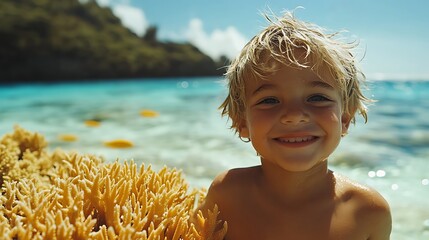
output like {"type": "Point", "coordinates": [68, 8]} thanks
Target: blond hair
{"type": "Point", "coordinates": [276, 46]}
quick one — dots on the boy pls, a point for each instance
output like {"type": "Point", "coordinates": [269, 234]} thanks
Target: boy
{"type": "Point", "coordinates": [293, 92]}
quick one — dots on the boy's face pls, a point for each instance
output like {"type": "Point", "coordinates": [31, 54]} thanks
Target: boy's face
{"type": "Point", "coordinates": [294, 119]}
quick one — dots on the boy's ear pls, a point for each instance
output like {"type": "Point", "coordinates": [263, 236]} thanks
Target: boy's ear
{"type": "Point", "coordinates": [243, 131]}
{"type": "Point", "coordinates": [345, 123]}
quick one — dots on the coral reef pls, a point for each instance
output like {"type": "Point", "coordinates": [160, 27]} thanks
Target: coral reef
{"type": "Point", "coordinates": [72, 196]}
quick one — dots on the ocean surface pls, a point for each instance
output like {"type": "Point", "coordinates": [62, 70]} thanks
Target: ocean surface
{"type": "Point", "coordinates": [184, 130]}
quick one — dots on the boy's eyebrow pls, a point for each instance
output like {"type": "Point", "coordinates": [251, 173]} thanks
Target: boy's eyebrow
{"type": "Point", "coordinates": [320, 84]}
{"type": "Point", "coordinates": [264, 86]}
{"type": "Point", "coordinates": [315, 83]}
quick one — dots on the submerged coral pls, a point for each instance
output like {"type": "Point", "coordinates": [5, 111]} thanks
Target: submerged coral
{"type": "Point", "coordinates": [72, 196]}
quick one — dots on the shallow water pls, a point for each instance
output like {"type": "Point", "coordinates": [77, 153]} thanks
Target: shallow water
{"type": "Point", "coordinates": [389, 153]}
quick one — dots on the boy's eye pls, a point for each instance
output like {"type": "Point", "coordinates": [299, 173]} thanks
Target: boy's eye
{"type": "Point", "coordinates": [269, 101]}
{"type": "Point", "coordinates": [318, 98]}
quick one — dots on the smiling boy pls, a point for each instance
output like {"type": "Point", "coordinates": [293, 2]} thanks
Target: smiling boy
{"type": "Point", "coordinates": [293, 92]}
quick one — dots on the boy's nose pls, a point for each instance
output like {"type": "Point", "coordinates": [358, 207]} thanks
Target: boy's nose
{"type": "Point", "coordinates": [294, 115]}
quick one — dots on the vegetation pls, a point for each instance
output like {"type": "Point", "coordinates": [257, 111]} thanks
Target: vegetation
{"type": "Point", "coordinates": [51, 40]}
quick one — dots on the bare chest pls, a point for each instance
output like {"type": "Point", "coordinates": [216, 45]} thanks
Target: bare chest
{"type": "Point", "coordinates": [329, 221]}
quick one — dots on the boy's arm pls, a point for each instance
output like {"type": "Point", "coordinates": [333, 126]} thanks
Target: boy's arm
{"type": "Point", "coordinates": [211, 198]}
{"type": "Point", "coordinates": [212, 227]}
{"type": "Point", "coordinates": [382, 222]}
{"type": "Point", "coordinates": [371, 209]}
{"type": "Point", "coordinates": [380, 219]}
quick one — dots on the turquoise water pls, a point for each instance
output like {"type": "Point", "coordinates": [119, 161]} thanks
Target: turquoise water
{"type": "Point", "coordinates": [389, 153]}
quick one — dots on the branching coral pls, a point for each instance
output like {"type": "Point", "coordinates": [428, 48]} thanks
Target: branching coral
{"type": "Point", "coordinates": [23, 154]}
{"type": "Point", "coordinates": [72, 196]}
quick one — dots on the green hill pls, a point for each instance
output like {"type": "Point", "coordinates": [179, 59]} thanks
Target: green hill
{"type": "Point", "coordinates": [54, 40]}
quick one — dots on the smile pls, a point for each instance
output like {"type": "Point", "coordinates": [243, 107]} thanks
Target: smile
{"type": "Point", "coordinates": [296, 139]}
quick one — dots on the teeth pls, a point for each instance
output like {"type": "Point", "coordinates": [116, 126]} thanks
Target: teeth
{"type": "Point", "coordinates": [296, 140]}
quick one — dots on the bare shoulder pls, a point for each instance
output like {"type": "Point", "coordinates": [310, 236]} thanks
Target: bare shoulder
{"type": "Point", "coordinates": [365, 197]}
{"type": "Point", "coordinates": [233, 177]}
{"type": "Point", "coordinates": [369, 206]}
{"type": "Point", "coordinates": [230, 183]}
{"type": "Point", "coordinates": [227, 186]}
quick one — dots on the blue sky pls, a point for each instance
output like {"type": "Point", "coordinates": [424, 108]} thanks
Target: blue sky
{"type": "Point", "coordinates": [393, 35]}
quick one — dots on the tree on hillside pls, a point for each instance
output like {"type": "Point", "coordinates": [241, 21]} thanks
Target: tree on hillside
{"type": "Point", "coordinates": [70, 39]}
{"type": "Point", "coordinates": [151, 34]}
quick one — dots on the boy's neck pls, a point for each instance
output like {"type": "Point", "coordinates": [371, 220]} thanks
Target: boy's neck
{"type": "Point", "coordinates": [296, 187]}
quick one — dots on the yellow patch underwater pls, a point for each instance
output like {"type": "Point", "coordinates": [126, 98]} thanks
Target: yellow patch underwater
{"type": "Point", "coordinates": [119, 143]}
{"type": "Point", "coordinates": [92, 123]}
{"type": "Point", "coordinates": [67, 137]}
{"type": "Point", "coordinates": [149, 113]}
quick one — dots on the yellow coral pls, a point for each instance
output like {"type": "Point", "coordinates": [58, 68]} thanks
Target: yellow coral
{"type": "Point", "coordinates": [72, 196]}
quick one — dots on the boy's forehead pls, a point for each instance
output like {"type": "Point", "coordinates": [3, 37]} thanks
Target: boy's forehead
{"type": "Point", "coordinates": [267, 63]}
{"type": "Point", "coordinates": [297, 57]}
{"type": "Point", "coordinates": [288, 71]}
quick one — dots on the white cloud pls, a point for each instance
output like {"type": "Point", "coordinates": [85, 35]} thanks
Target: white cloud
{"type": "Point", "coordinates": [103, 3]}
{"type": "Point", "coordinates": [106, 3]}
{"type": "Point", "coordinates": [132, 18]}
{"type": "Point", "coordinates": [226, 42]}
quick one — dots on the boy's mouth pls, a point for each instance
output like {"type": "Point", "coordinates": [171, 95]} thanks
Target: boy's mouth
{"type": "Point", "coordinates": [296, 139]}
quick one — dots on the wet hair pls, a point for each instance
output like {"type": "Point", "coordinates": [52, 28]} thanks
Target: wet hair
{"type": "Point", "coordinates": [292, 42]}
